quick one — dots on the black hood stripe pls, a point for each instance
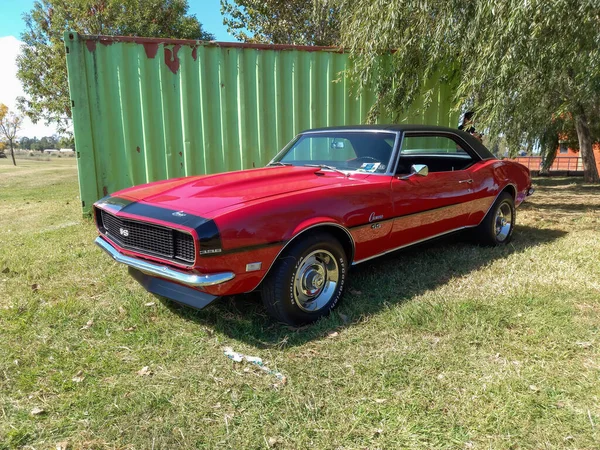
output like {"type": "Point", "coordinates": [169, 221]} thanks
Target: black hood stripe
{"type": "Point", "coordinates": [210, 238]}
{"type": "Point", "coordinates": [166, 215]}
{"type": "Point", "coordinates": [117, 204]}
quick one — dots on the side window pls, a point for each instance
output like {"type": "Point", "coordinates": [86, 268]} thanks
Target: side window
{"type": "Point", "coordinates": [438, 153]}
{"type": "Point", "coordinates": [431, 145]}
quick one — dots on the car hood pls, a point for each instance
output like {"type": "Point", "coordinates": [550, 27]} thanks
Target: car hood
{"type": "Point", "coordinates": [205, 195]}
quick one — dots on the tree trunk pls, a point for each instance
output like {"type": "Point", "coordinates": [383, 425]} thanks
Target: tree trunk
{"type": "Point", "coordinates": [590, 171]}
{"type": "Point", "coordinates": [549, 145]}
{"type": "Point", "coordinates": [12, 152]}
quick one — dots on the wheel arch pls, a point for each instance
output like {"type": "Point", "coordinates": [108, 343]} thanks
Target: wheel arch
{"type": "Point", "coordinates": [328, 224]}
{"type": "Point", "coordinates": [341, 233]}
{"type": "Point", "coordinates": [511, 189]}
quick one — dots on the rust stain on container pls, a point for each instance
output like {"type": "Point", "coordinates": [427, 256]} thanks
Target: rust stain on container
{"type": "Point", "coordinates": [138, 149]}
{"type": "Point", "coordinates": [91, 45]}
{"type": "Point", "coordinates": [195, 52]}
{"type": "Point", "coordinates": [171, 58]}
{"type": "Point", "coordinates": [151, 49]}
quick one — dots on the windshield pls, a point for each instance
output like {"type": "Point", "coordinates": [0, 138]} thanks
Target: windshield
{"type": "Point", "coordinates": [353, 151]}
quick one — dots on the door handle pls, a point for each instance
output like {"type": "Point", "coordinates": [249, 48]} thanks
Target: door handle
{"type": "Point", "coordinates": [470, 181]}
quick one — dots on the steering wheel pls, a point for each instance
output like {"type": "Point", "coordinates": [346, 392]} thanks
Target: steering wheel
{"type": "Point", "coordinates": [368, 158]}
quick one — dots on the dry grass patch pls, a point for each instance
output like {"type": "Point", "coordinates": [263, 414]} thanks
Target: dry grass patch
{"type": "Point", "coordinates": [447, 345]}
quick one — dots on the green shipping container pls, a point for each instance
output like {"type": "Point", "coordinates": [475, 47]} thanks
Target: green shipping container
{"type": "Point", "coordinates": [150, 109]}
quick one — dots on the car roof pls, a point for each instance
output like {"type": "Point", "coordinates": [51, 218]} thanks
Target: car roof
{"type": "Point", "coordinates": [385, 127]}
{"type": "Point", "coordinates": [480, 149]}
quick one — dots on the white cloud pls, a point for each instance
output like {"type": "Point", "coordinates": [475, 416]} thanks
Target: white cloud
{"type": "Point", "coordinates": [10, 87]}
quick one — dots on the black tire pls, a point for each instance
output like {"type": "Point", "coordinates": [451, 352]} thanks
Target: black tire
{"type": "Point", "coordinates": [279, 290]}
{"type": "Point", "coordinates": [490, 231]}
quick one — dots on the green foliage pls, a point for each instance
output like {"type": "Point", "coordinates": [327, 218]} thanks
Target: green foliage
{"type": "Point", "coordinates": [67, 142]}
{"type": "Point", "coordinates": [299, 22]}
{"type": "Point", "coordinates": [518, 64]}
{"type": "Point", "coordinates": [41, 64]}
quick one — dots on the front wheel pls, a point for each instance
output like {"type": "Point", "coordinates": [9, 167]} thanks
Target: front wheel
{"type": "Point", "coordinates": [497, 226]}
{"type": "Point", "coordinates": [307, 280]}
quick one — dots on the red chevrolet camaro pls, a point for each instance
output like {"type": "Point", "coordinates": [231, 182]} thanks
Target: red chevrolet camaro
{"type": "Point", "coordinates": [332, 198]}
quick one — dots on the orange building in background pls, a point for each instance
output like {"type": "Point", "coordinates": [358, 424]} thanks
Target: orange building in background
{"type": "Point", "coordinates": [564, 151]}
{"type": "Point", "coordinates": [567, 160]}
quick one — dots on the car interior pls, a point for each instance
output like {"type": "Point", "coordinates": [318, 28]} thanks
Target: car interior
{"type": "Point", "coordinates": [438, 153]}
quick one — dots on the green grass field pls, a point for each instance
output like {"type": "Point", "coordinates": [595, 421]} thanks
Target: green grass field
{"type": "Point", "coordinates": [446, 345]}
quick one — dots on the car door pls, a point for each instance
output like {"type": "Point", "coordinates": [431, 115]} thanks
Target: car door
{"type": "Point", "coordinates": [439, 202]}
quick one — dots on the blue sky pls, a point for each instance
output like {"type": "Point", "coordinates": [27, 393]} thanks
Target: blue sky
{"type": "Point", "coordinates": [208, 13]}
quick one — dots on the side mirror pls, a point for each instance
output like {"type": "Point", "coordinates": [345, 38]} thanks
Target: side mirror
{"type": "Point", "coordinates": [419, 169]}
{"type": "Point", "coordinates": [416, 169]}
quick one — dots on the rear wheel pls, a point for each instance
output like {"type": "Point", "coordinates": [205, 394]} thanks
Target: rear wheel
{"type": "Point", "coordinates": [307, 280]}
{"type": "Point", "coordinates": [497, 226]}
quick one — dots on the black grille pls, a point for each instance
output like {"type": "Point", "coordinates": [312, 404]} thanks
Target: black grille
{"type": "Point", "coordinates": [148, 238]}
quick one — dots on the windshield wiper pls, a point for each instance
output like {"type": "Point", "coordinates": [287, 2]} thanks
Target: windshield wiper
{"type": "Point", "coordinates": [279, 163]}
{"type": "Point", "coordinates": [325, 166]}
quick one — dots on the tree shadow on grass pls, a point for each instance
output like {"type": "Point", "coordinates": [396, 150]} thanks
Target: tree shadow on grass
{"type": "Point", "coordinates": [372, 286]}
{"type": "Point", "coordinates": [572, 185]}
{"type": "Point", "coordinates": [546, 181]}
{"type": "Point", "coordinates": [563, 207]}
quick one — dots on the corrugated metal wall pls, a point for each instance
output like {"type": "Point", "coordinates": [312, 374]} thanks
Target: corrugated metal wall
{"type": "Point", "coordinates": [149, 109]}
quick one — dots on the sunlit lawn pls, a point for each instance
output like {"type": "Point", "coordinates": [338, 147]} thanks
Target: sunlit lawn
{"type": "Point", "coordinates": [447, 345]}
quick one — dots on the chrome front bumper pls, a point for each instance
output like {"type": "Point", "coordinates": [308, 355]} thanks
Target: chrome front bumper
{"type": "Point", "coordinates": [157, 270]}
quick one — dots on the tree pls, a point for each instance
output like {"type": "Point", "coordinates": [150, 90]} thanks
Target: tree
{"type": "Point", "coordinates": [299, 22]}
{"type": "Point", "coordinates": [25, 143]}
{"type": "Point", "coordinates": [560, 130]}
{"type": "Point", "coordinates": [67, 142]}
{"type": "Point", "coordinates": [48, 142]}
{"type": "Point", "coordinates": [41, 64]}
{"type": "Point", "coordinates": [518, 64]}
{"type": "Point", "coordinates": [10, 124]}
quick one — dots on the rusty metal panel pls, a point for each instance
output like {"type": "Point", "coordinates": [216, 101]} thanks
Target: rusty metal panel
{"type": "Point", "coordinates": [151, 109]}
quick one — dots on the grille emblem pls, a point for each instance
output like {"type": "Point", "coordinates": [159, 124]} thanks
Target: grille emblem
{"type": "Point", "coordinates": [179, 214]}
{"type": "Point", "coordinates": [124, 232]}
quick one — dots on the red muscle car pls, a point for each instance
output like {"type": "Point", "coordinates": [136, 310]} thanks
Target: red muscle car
{"type": "Point", "coordinates": [332, 198]}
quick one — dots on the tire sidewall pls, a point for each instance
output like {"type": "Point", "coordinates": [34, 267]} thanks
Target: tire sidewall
{"type": "Point", "coordinates": [290, 304]}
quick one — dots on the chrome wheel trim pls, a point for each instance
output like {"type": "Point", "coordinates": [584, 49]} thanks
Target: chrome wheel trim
{"type": "Point", "coordinates": [503, 221]}
{"type": "Point", "coordinates": [316, 280]}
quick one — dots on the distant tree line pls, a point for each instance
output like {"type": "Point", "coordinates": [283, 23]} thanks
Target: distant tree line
{"type": "Point", "coordinates": [26, 143]}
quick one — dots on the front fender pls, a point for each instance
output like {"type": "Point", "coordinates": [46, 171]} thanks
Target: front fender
{"type": "Point", "coordinates": [311, 223]}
